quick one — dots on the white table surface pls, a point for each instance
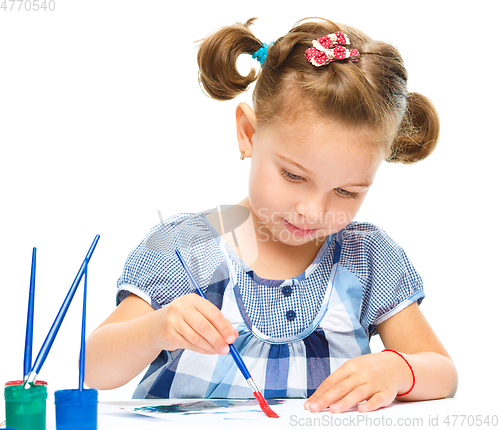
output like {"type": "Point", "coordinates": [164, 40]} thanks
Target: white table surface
{"type": "Point", "coordinates": [446, 413]}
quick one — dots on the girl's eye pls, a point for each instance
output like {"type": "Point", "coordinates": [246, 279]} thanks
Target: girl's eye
{"type": "Point", "coordinates": [290, 176]}
{"type": "Point", "coordinates": [347, 194]}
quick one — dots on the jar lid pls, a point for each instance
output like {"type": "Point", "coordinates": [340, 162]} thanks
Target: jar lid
{"type": "Point", "coordinates": [19, 382]}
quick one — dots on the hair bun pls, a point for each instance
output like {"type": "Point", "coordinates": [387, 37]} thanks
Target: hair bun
{"type": "Point", "coordinates": [217, 57]}
{"type": "Point", "coordinates": [418, 133]}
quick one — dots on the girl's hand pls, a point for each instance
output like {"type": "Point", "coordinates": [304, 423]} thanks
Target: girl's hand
{"type": "Point", "coordinates": [192, 322]}
{"type": "Point", "coordinates": [377, 378]}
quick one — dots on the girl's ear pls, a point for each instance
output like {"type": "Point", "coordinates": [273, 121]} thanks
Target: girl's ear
{"type": "Point", "coordinates": [246, 124]}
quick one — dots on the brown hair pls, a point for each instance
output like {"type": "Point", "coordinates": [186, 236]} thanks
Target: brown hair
{"type": "Point", "coordinates": [371, 91]}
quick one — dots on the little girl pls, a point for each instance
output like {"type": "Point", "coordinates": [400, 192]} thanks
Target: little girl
{"type": "Point", "coordinates": [297, 286]}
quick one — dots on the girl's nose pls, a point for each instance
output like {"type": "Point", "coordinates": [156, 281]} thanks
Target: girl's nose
{"type": "Point", "coordinates": [311, 210]}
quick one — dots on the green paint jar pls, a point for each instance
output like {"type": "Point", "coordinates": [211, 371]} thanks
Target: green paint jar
{"type": "Point", "coordinates": [25, 408]}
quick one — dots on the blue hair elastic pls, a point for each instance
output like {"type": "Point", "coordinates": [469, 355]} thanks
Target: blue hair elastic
{"type": "Point", "coordinates": [261, 54]}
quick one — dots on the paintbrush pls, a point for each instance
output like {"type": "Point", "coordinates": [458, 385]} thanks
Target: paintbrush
{"type": "Point", "coordinates": [84, 323]}
{"type": "Point", "coordinates": [49, 340]}
{"type": "Point", "coordinates": [28, 344]}
{"type": "Point", "coordinates": [236, 356]}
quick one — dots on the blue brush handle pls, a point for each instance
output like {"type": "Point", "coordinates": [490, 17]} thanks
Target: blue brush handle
{"type": "Point", "coordinates": [81, 378]}
{"type": "Point", "coordinates": [49, 340]}
{"type": "Point", "coordinates": [234, 352]}
{"type": "Point", "coordinates": [239, 361]}
{"type": "Point", "coordinates": [190, 275]}
{"type": "Point", "coordinates": [28, 344]}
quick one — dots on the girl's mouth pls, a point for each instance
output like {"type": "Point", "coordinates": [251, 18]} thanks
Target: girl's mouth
{"type": "Point", "coordinates": [298, 231]}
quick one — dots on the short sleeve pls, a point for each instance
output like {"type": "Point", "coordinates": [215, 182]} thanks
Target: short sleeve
{"type": "Point", "coordinates": [389, 280]}
{"type": "Point", "coordinates": [153, 271]}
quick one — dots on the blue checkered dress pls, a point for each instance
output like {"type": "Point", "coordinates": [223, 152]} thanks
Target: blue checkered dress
{"type": "Point", "coordinates": [293, 333]}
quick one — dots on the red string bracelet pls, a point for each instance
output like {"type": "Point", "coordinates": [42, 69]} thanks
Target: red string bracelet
{"type": "Point", "coordinates": [411, 368]}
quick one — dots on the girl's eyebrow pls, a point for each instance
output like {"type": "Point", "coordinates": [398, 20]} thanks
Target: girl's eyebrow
{"type": "Point", "coordinates": [288, 160]}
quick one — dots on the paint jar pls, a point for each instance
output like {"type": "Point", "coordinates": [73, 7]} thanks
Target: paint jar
{"type": "Point", "coordinates": [76, 410]}
{"type": "Point", "coordinates": [25, 408]}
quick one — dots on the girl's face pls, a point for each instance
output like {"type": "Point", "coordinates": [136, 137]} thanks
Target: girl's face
{"type": "Point", "coordinates": [308, 179]}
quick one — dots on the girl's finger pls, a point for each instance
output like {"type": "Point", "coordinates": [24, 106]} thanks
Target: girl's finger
{"type": "Point", "coordinates": [218, 321]}
{"type": "Point", "coordinates": [177, 340]}
{"type": "Point", "coordinates": [205, 333]}
{"type": "Point", "coordinates": [377, 401]}
{"type": "Point", "coordinates": [331, 392]}
{"type": "Point", "coordinates": [191, 339]}
{"type": "Point", "coordinates": [354, 397]}
{"type": "Point", "coordinates": [190, 347]}
{"type": "Point", "coordinates": [334, 379]}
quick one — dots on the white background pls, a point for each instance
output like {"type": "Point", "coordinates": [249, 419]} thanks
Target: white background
{"type": "Point", "coordinates": [102, 124]}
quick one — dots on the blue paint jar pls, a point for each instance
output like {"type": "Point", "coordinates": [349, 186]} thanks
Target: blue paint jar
{"type": "Point", "coordinates": [76, 410]}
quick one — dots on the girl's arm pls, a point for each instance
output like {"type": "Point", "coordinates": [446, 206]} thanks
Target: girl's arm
{"type": "Point", "coordinates": [411, 335]}
{"type": "Point", "coordinates": [380, 377]}
{"type": "Point", "coordinates": [122, 346]}
{"type": "Point", "coordinates": [134, 334]}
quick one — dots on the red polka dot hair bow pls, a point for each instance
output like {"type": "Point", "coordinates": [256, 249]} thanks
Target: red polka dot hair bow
{"type": "Point", "coordinates": [329, 48]}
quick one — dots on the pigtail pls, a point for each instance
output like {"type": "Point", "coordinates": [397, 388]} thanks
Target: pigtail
{"type": "Point", "coordinates": [418, 133]}
{"type": "Point", "coordinates": [369, 91]}
{"type": "Point", "coordinates": [217, 56]}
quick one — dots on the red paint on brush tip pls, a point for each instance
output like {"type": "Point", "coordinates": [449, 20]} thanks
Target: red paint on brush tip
{"type": "Point", "coordinates": [264, 406]}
